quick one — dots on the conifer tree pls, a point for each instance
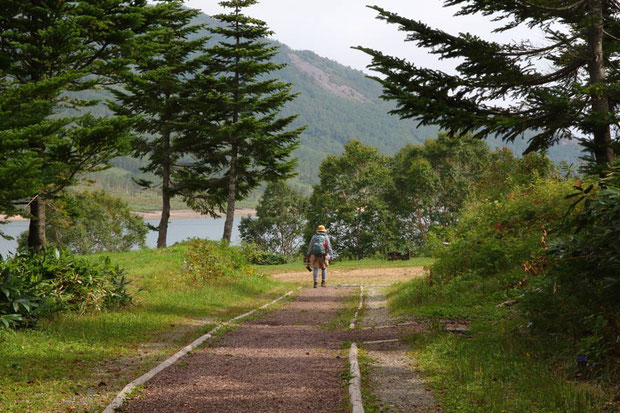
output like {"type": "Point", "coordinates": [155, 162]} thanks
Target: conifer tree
{"type": "Point", "coordinates": [51, 52]}
{"type": "Point", "coordinates": [238, 140]}
{"type": "Point", "coordinates": [573, 94]}
{"type": "Point", "coordinates": [165, 61]}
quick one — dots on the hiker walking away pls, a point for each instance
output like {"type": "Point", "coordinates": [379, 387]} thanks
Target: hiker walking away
{"type": "Point", "coordinates": [319, 250]}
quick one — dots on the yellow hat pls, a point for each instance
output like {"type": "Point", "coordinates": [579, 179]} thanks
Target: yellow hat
{"type": "Point", "coordinates": [321, 228]}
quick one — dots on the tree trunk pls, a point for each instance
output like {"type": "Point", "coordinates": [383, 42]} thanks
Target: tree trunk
{"type": "Point", "coordinates": [36, 230]}
{"type": "Point", "coordinates": [603, 149]}
{"type": "Point", "coordinates": [165, 208]}
{"type": "Point", "coordinates": [232, 195]}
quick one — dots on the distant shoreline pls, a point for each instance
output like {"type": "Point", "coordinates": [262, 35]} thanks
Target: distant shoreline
{"type": "Point", "coordinates": [174, 214]}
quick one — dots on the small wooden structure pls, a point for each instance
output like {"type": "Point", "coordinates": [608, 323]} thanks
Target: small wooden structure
{"type": "Point", "coordinates": [398, 256]}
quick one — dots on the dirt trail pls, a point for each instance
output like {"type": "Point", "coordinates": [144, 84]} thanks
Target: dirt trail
{"type": "Point", "coordinates": [285, 361]}
{"type": "Point", "coordinates": [395, 383]}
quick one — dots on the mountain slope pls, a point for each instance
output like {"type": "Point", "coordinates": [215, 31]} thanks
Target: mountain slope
{"type": "Point", "coordinates": [338, 103]}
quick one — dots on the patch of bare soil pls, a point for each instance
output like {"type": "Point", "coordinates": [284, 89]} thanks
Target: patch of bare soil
{"type": "Point", "coordinates": [281, 362]}
{"type": "Point", "coordinates": [394, 380]}
{"type": "Point", "coordinates": [366, 276]}
{"type": "Point", "coordinates": [324, 80]}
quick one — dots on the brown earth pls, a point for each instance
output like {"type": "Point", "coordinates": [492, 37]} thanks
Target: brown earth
{"type": "Point", "coordinates": [365, 276]}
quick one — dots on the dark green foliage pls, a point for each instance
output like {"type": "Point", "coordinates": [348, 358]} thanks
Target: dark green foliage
{"type": "Point", "coordinates": [550, 251]}
{"type": "Point", "coordinates": [578, 293]}
{"type": "Point", "coordinates": [506, 172]}
{"type": "Point", "coordinates": [164, 62]}
{"type": "Point", "coordinates": [257, 255]}
{"type": "Point", "coordinates": [208, 260]}
{"type": "Point", "coordinates": [52, 281]}
{"type": "Point", "coordinates": [494, 238]}
{"type": "Point", "coordinates": [431, 183]}
{"type": "Point", "coordinates": [576, 95]}
{"type": "Point", "coordinates": [280, 220]}
{"type": "Point", "coordinates": [92, 222]}
{"type": "Point", "coordinates": [238, 138]}
{"type": "Point", "coordinates": [349, 201]}
{"type": "Point", "coordinates": [49, 52]}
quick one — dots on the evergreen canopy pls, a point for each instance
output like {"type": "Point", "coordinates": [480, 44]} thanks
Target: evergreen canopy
{"type": "Point", "coordinates": [155, 89]}
{"type": "Point", "coordinates": [238, 139]}
{"type": "Point", "coordinates": [49, 50]}
{"type": "Point", "coordinates": [568, 88]}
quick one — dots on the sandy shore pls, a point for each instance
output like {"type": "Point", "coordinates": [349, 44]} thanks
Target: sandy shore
{"type": "Point", "coordinates": [174, 214]}
{"type": "Point", "coordinates": [188, 213]}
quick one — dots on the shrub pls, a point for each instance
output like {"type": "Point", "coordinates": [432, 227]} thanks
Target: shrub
{"type": "Point", "coordinates": [91, 222]}
{"type": "Point", "coordinates": [207, 260]}
{"type": "Point", "coordinates": [578, 294]}
{"type": "Point", "coordinates": [279, 221]}
{"type": "Point", "coordinates": [53, 281]}
{"type": "Point", "coordinates": [493, 237]}
{"type": "Point", "coordinates": [255, 254]}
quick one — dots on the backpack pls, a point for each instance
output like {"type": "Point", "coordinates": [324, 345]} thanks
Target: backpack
{"type": "Point", "coordinates": [318, 248]}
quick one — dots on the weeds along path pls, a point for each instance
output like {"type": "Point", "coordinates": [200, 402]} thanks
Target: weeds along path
{"type": "Point", "coordinates": [286, 361]}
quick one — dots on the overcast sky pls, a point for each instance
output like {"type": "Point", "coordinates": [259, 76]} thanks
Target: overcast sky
{"type": "Point", "coordinates": [331, 27]}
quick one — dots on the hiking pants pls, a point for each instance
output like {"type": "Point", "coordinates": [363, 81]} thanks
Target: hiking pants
{"type": "Point", "coordinates": [315, 273]}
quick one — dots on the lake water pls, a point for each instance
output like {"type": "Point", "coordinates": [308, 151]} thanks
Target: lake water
{"type": "Point", "coordinates": [178, 230]}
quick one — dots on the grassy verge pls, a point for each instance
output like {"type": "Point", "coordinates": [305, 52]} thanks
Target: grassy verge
{"type": "Point", "coordinates": [346, 313]}
{"type": "Point", "coordinates": [500, 367]}
{"type": "Point", "coordinates": [78, 362]}
{"type": "Point", "coordinates": [371, 403]}
{"type": "Point", "coordinates": [351, 265]}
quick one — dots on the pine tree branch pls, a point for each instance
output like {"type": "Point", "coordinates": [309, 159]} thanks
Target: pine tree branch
{"type": "Point", "coordinates": [537, 51]}
{"type": "Point", "coordinates": [547, 8]}
{"type": "Point", "coordinates": [611, 35]}
{"type": "Point", "coordinates": [555, 75]}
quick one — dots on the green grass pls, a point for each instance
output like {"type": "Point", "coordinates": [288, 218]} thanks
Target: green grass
{"type": "Point", "coordinates": [500, 367]}
{"type": "Point", "coordinates": [350, 265]}
{"type": "Point", "coordinates": [371, 403]}
{"type": "Point", "coordinates": [346, 313]}
{"type": "Point", "coordinates": [78, 362]}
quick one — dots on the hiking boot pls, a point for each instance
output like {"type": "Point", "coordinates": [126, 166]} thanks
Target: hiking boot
{"type": "Point", "coordinates": [316, 284]}
{"type": "Point", "coordinates": [323, 283]}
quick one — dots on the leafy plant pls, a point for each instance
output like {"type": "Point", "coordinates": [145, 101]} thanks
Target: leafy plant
{"type": "Point", "coordinates": [208, 260]}
{"type": "Point", "coordinates": [255, 254]}
{"type": "Point", "coordinates": [52, 281]}
{"type": "Point", "coordinates": [91, 222]}
{"type": "Point", "coordinates": [579, 293]}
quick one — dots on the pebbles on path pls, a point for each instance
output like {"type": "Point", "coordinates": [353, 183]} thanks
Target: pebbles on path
{"type": "Point", "coordinates": [284, 361]}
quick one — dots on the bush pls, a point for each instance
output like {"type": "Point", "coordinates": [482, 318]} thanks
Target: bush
{"type": "Point", "coordinates": [208, 260]}
{"type": "Point", "coordinates": [279, 221]}
{"type": "Point", "coordinates": [52, 281]}
{"type": "Point", "coordinates": [91, 222]}
{"type": "Point", "coordinates": [491, 238]}
{"type": "Point", "coordinates": [255, 254]}
{"type": "Point", "coordinates": [578, 294]}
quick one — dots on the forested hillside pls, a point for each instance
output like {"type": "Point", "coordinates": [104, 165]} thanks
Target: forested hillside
{"type": "Point", "coordinates": [337, 103]}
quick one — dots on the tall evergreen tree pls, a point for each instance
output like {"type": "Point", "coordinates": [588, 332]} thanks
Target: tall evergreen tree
{"type": "Point", "coordinates": [579, 93]}
{"type": "Point", "coordinates": [50, 51]}
{"type": "Point", "coordinates": [165, 61]}
{"type": "Point", "coordinates": [238, 140]}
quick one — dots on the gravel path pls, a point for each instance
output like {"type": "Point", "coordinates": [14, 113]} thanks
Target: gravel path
{"type": "Point", "coordinates": [395, 383]}
{"type": "Point", "coordinates": [285, 361]}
